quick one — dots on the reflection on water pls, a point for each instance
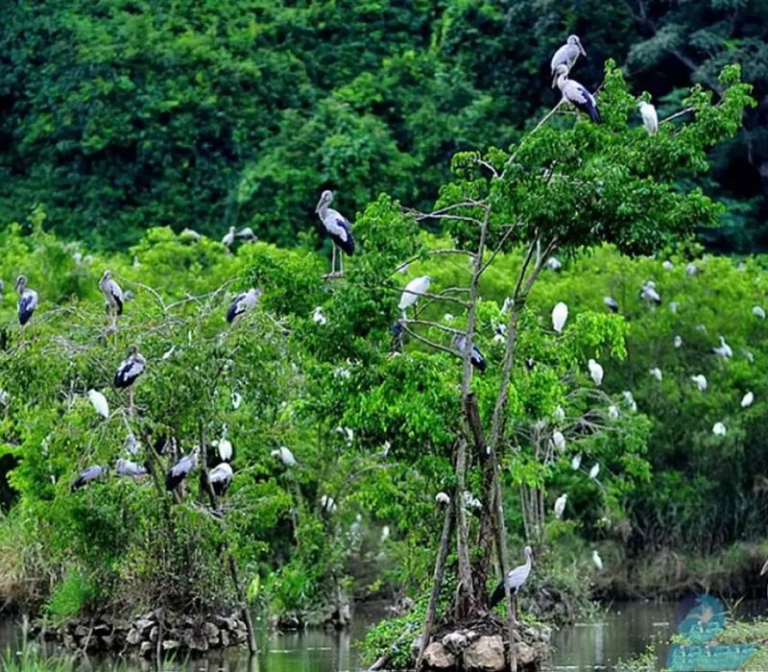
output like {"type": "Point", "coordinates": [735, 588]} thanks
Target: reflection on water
{"type": "Point", "coordinates": [624, 631]}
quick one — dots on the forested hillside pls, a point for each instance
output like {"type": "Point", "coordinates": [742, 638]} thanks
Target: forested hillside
{"type": "Point", "coordinates": [121, 115]}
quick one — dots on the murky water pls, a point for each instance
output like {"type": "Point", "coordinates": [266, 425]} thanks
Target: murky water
{"type": "Point", "coordinates": [623, 631]}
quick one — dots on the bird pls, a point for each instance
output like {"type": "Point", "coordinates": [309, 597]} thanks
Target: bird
{"type": "Point", "coordinates": [130, 469]}
{"type": "Point", "coordinates": [596, 371]}
{"type": "Point", "coordinates": [413, 290]}
{"type": "Point", "coordinates": [442, 499]}
{"type": "Point", "coordinates": [668, 265]}
{"type": "Point", "coordinates": [328, 504]}
{"type": "Point", "coordinates": [224, 446]}
{"type": "Point", "coordinates": [27, 302]}
{"type": "Point", "coordinates": [128, 372]}
{"type": "Point", "coordinates": [724, 350]}
{"type": "Point", "coordinates": [247, 235]}
{"type": "Point", "coordinates": [243, 302]}
{"type": "Point", "coordinates": [285, 456]}
{"type": "Point", "coordinates": [229, 239]}
{"type": "Point", "coordinates": [88, 476]}
{"type": "Point", "coordinates": [113, 295]}
{"type": "Point", "coordinates": [597, 560]}
{"type": "Point", "coordinates": [469, 501]}
{"type": "Point", "coordinates": [476, 357]}
{"type": "Point", "coordinates": [701, 382]}
{"type": "Point", "coordinates": [594, 471]}
{"type": "Point", "coordinates": [338, 228]}
{"type": "Point", "coordinates": [691, 269]}
{"type": "Point", "coordinates": [558, 440]}
{"type": "Point", "coordinates": [747, 399]}
{"type": "Point", "coordinates": [757, 311]}
{"type": "Point", "coordinates": [649, 293]}
{"type": "Point", "coordinates": [558, 414]}
{"type": "Point", "coordinates": [576, 462]}
{"type": "Point", "coordinates": [318, 316]}
{"type": "Point", "coordinates": [220, 478]}
{"type": "Point", "coordinates": [553, 264]}
{"type": "Point", "coordinates": [678, 341]}
{"type": "Point", "coordinates": [613, 412]}
{"type": "Point", "coordinates": [559, 316]}
{"type": "Point", "coordinates": [560, 505]}
{"type": "Point", "coordinates": [131, 444]}
{"type": "Point", "coordinates": [567, 55]}
{"type": "Point", "coordinates": [100, 403]}
{"type": "Point", "coordinates": [673, 307]}
{"type": "Point", "coordinates": [190, 234]}
{"type": "Point", "coordinates": [611, 303]}
{"type": "Point", "coordinates": [656, 373]}
{"type": "Point", "coordinates": [181, 469]}
{"type": "Point", "coordinates": [629, 400]}
{"type": "Point", "coordinates": [650, 118]}
{"type": "Point", "coordinates": [576, 94]}
{"type": "Point", "coordinates": [515, 579]}
{"type": "Point", "coordinates": [718, 429]}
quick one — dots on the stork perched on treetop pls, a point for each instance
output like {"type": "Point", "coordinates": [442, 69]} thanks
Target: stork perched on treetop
{"type": "Point", "coordinates": [515, 579]}
{"type": "Point", "coordinates": [113, 295]}
{"type": "Point", "coordinates": [338, 228]}
{"type": "Point", "coordinates": [567, 55]}
{"type": "Point", "coordinates": [576, 94]}
{"type": "Point", "coordinates": [220, 478]}
{"type": "Point", "coordinates": [27, 302]}
{"type": "Point", "coordinates": [179, 471]}
{"type": "Point", "coordinates": [128, 372]}
{"type": "Point", "coordinates": [242, 303]}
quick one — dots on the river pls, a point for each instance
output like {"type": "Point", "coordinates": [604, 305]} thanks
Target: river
{"type": "Point", "coordinates": [621, 632]}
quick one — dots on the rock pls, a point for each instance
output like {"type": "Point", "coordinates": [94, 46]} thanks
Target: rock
{"type": "Point", "coordinates": [438, 657]}
{"type": "Point", "coordinates": [134, 637]}
{"type": "Point", "coordinates": [68, 641]}
{"type": "Point", "coordinates": [153, 634]}
{"type": "Point", "coordinates": [144, 626]}
{"type": "Point", "coordinates": [525, 653]}
{"type": "Point", "coordinates": [146, 649]}
{"type": "Point", "coordinates": [81, 631]}
{"type": "Point", "coordinates": [224, 638]}
{"type": "Point", "coordinates": [485, 655]}
{"type": "Point", "coordinates": [102, 629]}
{"type": "Point", "coordinates": [107, 641]}
{"type": "Point", "coordinates": [171, 644]}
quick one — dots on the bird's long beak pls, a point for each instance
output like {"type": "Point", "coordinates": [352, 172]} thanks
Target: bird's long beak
{"type": "Point", "coordinates": [319, 203]}
{"type": "Point", "coordinates": [554, 80]}
{"type": "Point", "coordinates": [583, 51]}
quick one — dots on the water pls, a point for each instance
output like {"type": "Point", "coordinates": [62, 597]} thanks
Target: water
{"type": "Point", "coordinates": [623, 631]}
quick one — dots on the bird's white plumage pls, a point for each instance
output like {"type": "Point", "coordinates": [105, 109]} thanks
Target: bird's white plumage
{"type": "Point", "coordinates": [558, 440]}
{"type": "Point", "coordinates": [597, 560]}
{"type": "Point", "coordinates": [678, 341]}
{"type": "Point", "coordinates": [724, 350]}
{"type": "Point", "coordinates": [650, 118]}
{"type": "Point", "coordinates": [668, 265]}
{"type": "Point", "coordinates": [576, 462]}
{"type": "Point", "coordinates": [757, 311]}
{"type": "Point", "coordinates": [718, 429]}
{"type": "Point", "coordinates": [224, 446]}
{"type": "Point", "coordinates": [594, 471]}
{"type": "Point", "coordinates": [285, 455]}
{"type": "Point", "coordinates": [560, 503]}
{"type": "Point", "coordinates": [613, 412]}
{"type": "Point", "coordinates": [220, 473]}
{"type": "Point", "coordinates": [442, 499]}
{"type": "Point", "coordinates": [519, 575]}
{"type": "Point", "coordinates": [559, 316]}
{"type": "Point", "coordinates": [691, 269]}
{"type": "Point", "coordinates": [327, 504]}
{"type": "Point", "coordinates": [413, 290]}
{"type": "Point", "coordinates": [229, 239]}
{"type": "Point", "coordinates": [701, 382]}
{"type": "Point", "coordinates": [649, 293]}
{"type": "Point", "coordinates": [553, 264]}
{"type": "Point", "coordinates": [318, 316]}
{"type": "Point", "coordinates": [656, 373]}
{"type": "Point", "coordinates": [558, 414]}
{"type": "Point", "coordinates": [596, 371]}
{"type": "Point", "coordinates": [629, 400]}
{"type": "Point", "coordinates": [747, 399]}
{"type": "Point", "coordinates": [100, 403]}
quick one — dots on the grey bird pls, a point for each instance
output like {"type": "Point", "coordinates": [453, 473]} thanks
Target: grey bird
{"type": "Point", "coordinates": [566, 55]}
{"type": "Point", "coordinates": [576, 94]}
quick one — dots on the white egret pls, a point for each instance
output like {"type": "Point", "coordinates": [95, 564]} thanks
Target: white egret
{"type": "Point", "coordinates": [724, 350]}
{"type": "Point", "coordinates": [678, 341]}
{"type": "Point", "coordinates": [668, 265]}
{"type": "Point", "coordinates": [576, 462]}
{"type": "Point", "coordinates": [558, 414]}
{"type": "Point", "coordinates": [285, 456]}
{"type": "Point", "coordinates": [442, 499]}
{"type": "Point", "coordinates": [650, 117]}
{"type": "Point", "coordinates": [656, 373]}
{"type": "Point", "coordinates": [559, 316]}
{"type": "Point", "coordinates": [594, 471]}
{"type": "Point", "coordinates": [718, 429]}
{"type": "Point", "coordinates": [597, 560]}
{"type": "Point", "coordinates": [757, 311]}
{"type": "Point", "coordinates": [560, 503]}
{"type": "Point", "coordinates": [100, 403]}
{"type": "Point", "coordinates": [558, 440]}
{"type": "Point", "coordinates": [229, 239]}
{"type": "Point", "coordinates": [596, 371]}
{"type": "Point", "coordinates": [649, 293]}
{"type": "Point", "coordinates": [318, 316]}
{"type": "Point", "coordinates": [691, 269]}
{"type": "Point", "coordinates": [747, 399]}
{"type": "Point", "coordinates": [413, 290]}
{"type": "Point", "coordinates": [701, 382]}
{"type": "Point", "coordinates": [629, 400]}
{"type": "Point", "coordinates": [613, 412]}
{"type": "Point", "coordinates": [553, 264]}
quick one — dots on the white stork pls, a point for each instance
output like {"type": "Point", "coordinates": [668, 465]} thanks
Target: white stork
{"type": "Point", "coordinates": [566, 56]}
{"type": "Point", "coordinates": [576, 94]}
{"type": "Point", "coordinates": [113, 295]}
{"type": "Point", "coordinates": [338, 228]}
{"type": "Point", "coordinates": [650, 118]}
{"type": "Point", "coordinates": [179, 471]}
{"type": "Point", "coordinates": [242, 303]}
{"type": "Point", "coordinates": [128, 372]}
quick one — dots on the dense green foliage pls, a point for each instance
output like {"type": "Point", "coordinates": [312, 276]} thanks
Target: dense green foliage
{"type": "Point", "coordinates": [124, 115]}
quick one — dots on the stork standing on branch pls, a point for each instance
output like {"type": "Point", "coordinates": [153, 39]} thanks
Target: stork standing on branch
{"type": "Point", "coordinates": [515, 579]}
{"type": "Point", "coordinates": [566, 56]}
{"type": "Point", "coordinates": [113, 295]}
{"type": "Point", "coordinates": [27, 303]}
{"type": "Point", "coordinates": [576, 94]}
{"type": "Point", "coordinates": [242, 303]}
{"type": "Point", "coordinates": [128, 372]}
{"type": "Point", "coordinates": [338, 228]}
